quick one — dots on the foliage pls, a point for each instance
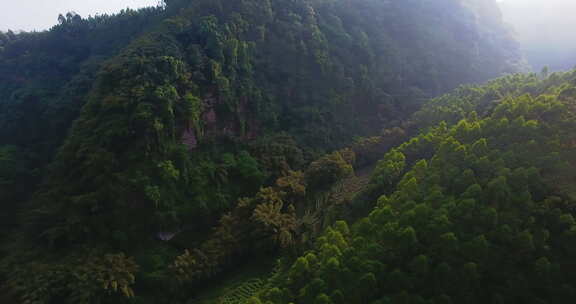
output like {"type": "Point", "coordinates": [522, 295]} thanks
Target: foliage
{"type": "Point", "coordinates": [479, 214]}
{"type": "Point", "coordinates": [205, 124]}
{"type": "Point", "coordinates": [274, 217]}
{"type": "Point", "coordinates": [93, 279]}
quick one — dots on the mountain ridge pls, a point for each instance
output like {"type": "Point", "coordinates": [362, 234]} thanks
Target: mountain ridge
{"type": "Point", "coordinates": [214, 109]}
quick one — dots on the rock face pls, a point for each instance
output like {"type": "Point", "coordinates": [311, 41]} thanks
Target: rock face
{"type": "Point", "coordinates": [166, 236]}
{"type": "Point", "coordinates": [322, 72]}
{"type": "Point", "coordinates": [189, 139]}
{"type": "Point", "coordinates": [163, 137]}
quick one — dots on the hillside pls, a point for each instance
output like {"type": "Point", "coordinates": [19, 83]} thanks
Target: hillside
{"type": "Point", "coordinates": [146, 155]}
{"type": "Point", "coordinates": [477, 208]}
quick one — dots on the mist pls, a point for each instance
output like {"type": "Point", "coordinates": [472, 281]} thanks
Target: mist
{"type": "Point", "coordinates": [545, 30]}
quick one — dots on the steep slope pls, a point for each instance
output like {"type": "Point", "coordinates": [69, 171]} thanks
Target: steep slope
{"type": "Point", "coordinates": [478, 208]}
{"type": "Point", "coordinates": [44, 79]}
{"type": "Point", "coordinates": [209, 105]}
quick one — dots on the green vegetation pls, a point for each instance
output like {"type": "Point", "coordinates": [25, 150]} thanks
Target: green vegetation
{"type": "Point", "coordinates": [168, 155]}
{"type": "Point", "coordinates": [477, 208]}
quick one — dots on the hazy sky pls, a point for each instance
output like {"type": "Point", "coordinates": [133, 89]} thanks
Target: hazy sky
{"type": "Point", "coordinates": [31, 15]}
{"type": "Point", "coordinates": [542, 21]}
{"type": "Point", "coordinates": [545, 30]}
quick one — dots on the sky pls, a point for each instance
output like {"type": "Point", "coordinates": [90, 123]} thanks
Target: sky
{"type": "Point", "coordinates": [542, 21]}
{"type": "Point", "coordinates": [545, 30]}
{"type": "Point", "coordinates": [29, 15]}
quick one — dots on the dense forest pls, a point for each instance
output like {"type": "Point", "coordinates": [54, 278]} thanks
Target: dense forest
{"type": "Point", "coordinates": [274, 151]}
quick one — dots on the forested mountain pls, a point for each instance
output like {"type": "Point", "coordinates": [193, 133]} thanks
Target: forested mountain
{"type": "Point", "coordinates": [149, 156]}
{"type": "Point", "coordinates": [476, 208]}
